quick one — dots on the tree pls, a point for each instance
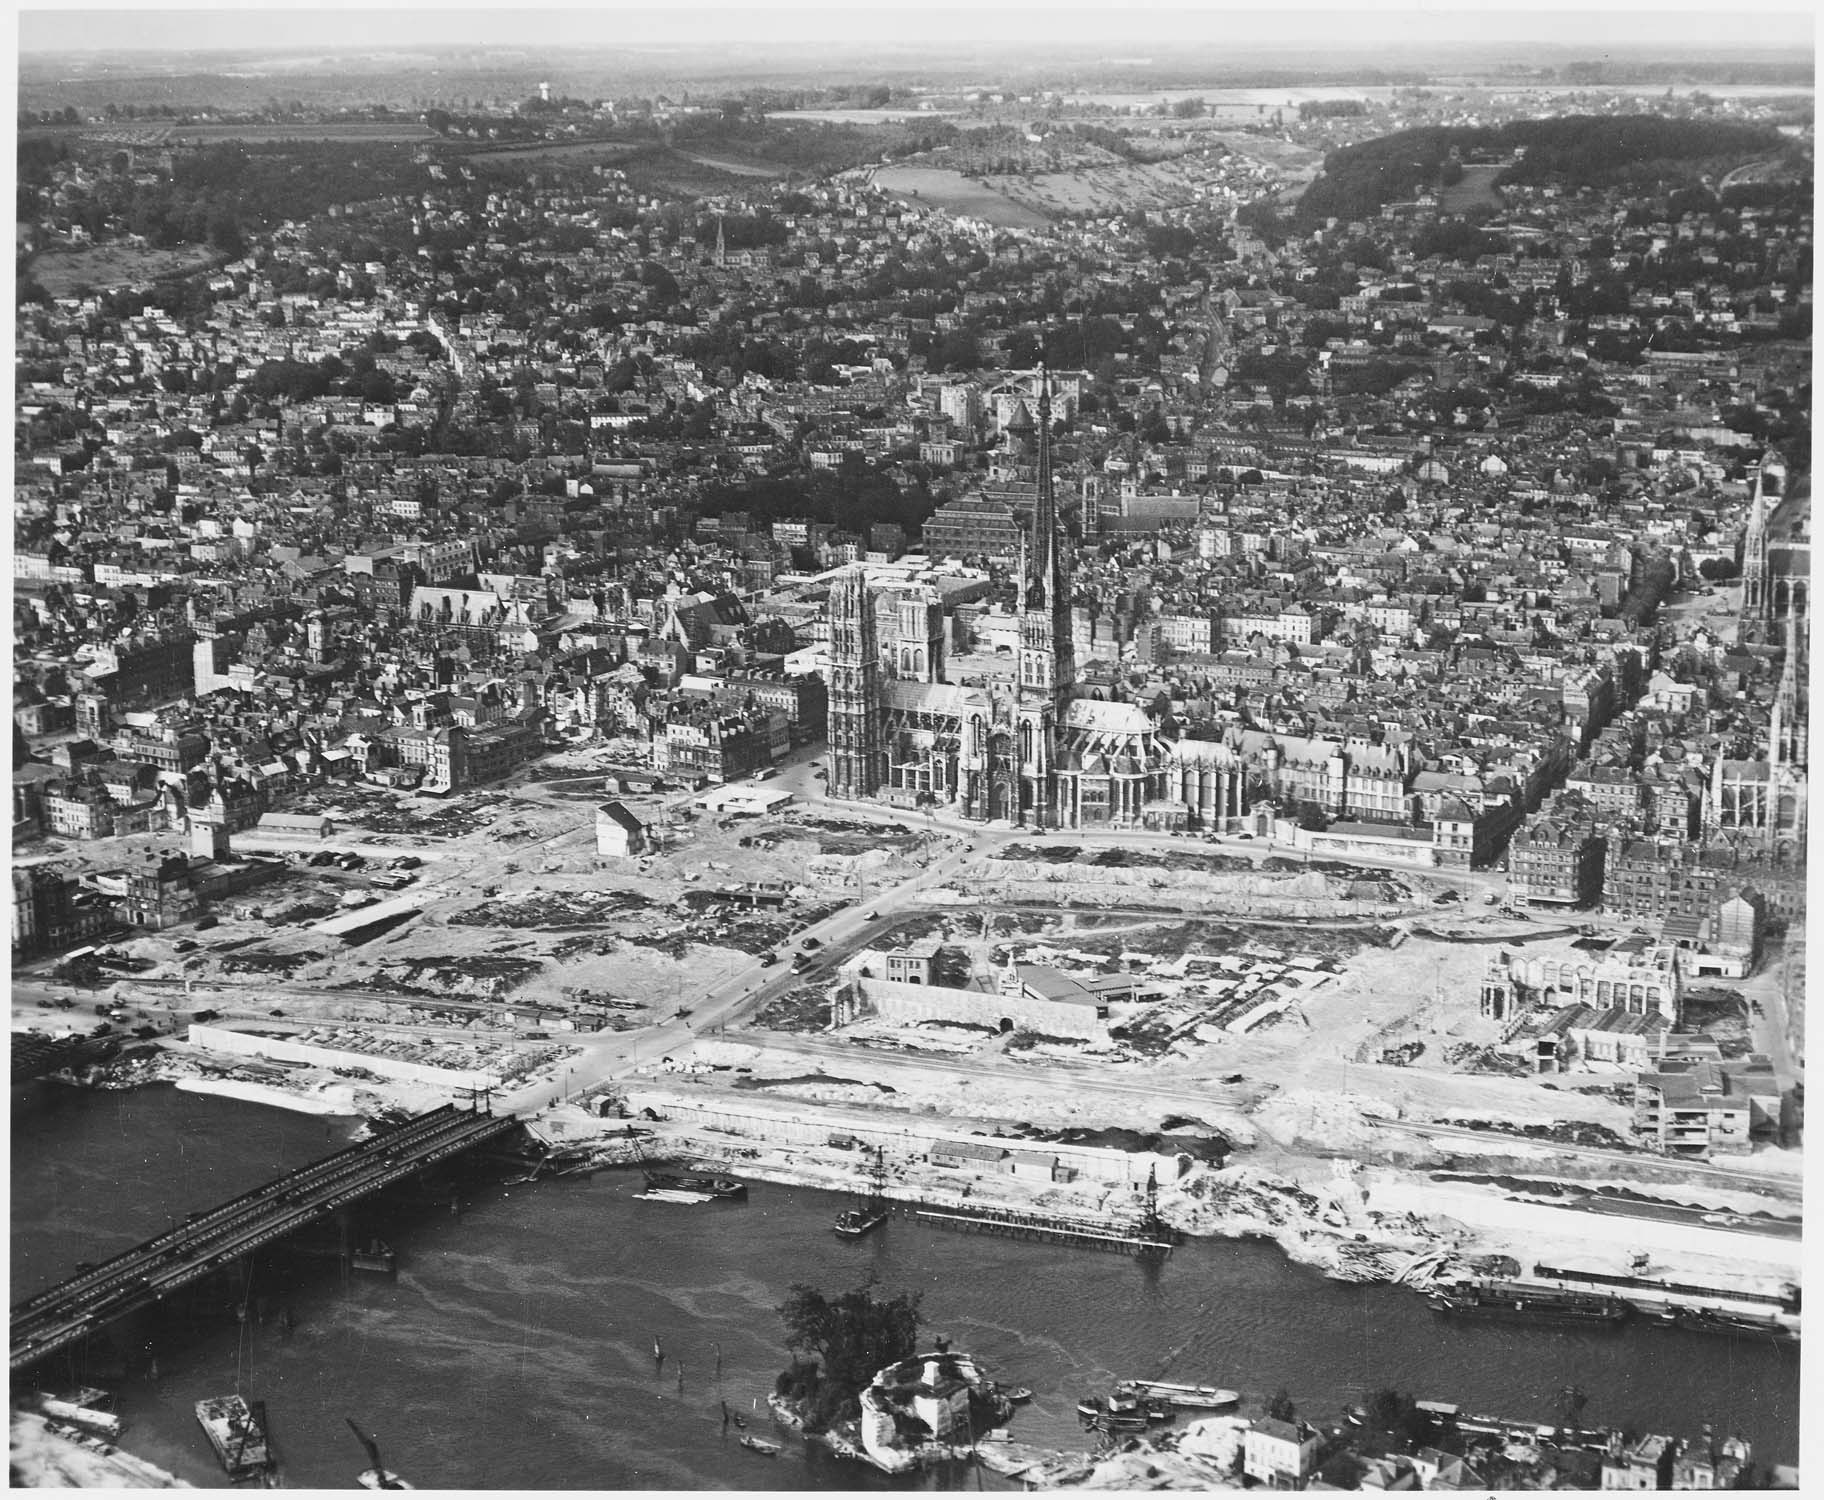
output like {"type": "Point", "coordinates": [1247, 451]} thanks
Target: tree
{"type": "Point", "coordinates": [1280, 1408]}
{"type": "Point", "coordinates": [225, 234]}
{"type": "Point", "coordinates": [854, 1335]}
{"type": "Point", "coordinates": [1397, 1415]}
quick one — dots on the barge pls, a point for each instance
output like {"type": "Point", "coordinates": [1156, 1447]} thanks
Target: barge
{"type": "Point", "coordinates": [1514, 1302]}
{"type": "Point", "coordinates": [1184, 1397]}
{"type": "Point", "coordinates": [237, 1432]}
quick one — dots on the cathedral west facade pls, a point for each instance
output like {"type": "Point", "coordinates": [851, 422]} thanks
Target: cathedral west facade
{"type": "Point", "coordinates": [1036, 752]}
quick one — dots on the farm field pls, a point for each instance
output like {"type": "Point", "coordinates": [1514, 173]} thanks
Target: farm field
{"type": "Point", "coordinates": [958, 194]}
{"type": "Point", "coordinates": [352, 131]}
{"type": "Point", "coordinates": [736, 168]}
{"type": "Point", "coordinates": [607, 151]}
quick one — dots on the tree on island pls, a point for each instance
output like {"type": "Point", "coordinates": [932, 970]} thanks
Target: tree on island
{"type": "Point", "coordinates": [839, 1344]}
{"type": "Point", "coordinates": [1396, 1417]}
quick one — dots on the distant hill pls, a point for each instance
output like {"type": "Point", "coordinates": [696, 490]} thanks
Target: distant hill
{"type": "Point", "coordinates": [1575, 151]}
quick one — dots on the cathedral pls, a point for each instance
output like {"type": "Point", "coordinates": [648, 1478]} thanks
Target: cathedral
{"type": "Point", "coordinates": [1035, 752]}
{"type": "Point", "coordinates": [1763, 801]}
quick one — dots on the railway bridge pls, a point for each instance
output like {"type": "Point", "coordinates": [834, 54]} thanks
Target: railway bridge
{"type": "Point", "coordinates": [96, 1296]}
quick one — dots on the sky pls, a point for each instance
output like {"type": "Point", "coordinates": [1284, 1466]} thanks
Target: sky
{"type": "Point", "coordinates": [1138, 27]}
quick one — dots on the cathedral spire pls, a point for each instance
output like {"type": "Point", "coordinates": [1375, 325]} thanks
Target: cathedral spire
{"type": "Point", "coordinates": [1044, 560]}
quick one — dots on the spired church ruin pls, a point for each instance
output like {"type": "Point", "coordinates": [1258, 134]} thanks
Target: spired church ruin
{"type": "Point", "coordinates": [1035, 753]}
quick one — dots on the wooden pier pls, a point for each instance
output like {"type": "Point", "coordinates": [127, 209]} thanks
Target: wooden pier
{"type": "Point", "coordinates": [1143, 1239]}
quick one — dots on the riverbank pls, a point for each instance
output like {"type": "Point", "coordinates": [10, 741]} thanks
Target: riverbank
{"type": "Point", "coordinates": [1485, 1203]}
{"type": "Point", "coordinates": [1348, 1221]}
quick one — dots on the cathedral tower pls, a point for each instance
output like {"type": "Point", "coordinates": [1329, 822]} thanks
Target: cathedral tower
{"type": "Point", "coordinates": [1769, 485]}
{"type": "Point", "coordinates": [1047, 665]}
{"type": "Point", "coordinates": [854, 711]}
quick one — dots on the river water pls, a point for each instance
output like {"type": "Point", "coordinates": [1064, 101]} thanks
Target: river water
{"type": "Point", "coordinates": [514, 1350]}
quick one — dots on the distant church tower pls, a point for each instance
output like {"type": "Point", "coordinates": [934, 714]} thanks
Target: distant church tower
{"type": "Point", "coordinates": [721, 244]}
{"type": "Point", "coordinates": [854, 710]}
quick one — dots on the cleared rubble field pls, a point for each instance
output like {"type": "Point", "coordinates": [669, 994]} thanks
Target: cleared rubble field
{"type": "Point", "coordinates": [63, 273]}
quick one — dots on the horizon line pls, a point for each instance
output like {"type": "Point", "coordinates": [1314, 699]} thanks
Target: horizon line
{"type": "Point", "coordinates": [1628, 27]}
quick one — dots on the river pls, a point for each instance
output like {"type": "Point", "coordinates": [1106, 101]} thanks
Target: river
{"type": "Point", "coordinates": [514, 1350]}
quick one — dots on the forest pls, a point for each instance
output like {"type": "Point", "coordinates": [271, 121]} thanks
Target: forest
{"type": "Point", "coordinates": [1577, 151]}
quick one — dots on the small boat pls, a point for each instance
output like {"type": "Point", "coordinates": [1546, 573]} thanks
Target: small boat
{"type": "Point", "coordinates": [853, 1223]}
{"type": "Point", "coordinates": [1356, 1416]}
{"type": "Point", "coordinates": [1091, 1408]}
{"type": "Point", "coordinates": [379, 1257]}
{"type": "Point", "coordinates": [378, 1476]}
{"type": "Point", "coordinates": [1019, 1394]}
{"type": "Point", "coordinates": [759, 1445]}
{"type": "Point", "coordinates": [237, 1432]}
{"type": "Point", "coordinates": [674, 1195]}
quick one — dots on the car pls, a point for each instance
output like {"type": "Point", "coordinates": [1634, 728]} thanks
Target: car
{"type": "Point", "coordinates": [681, 1012]}
{"type": "Point", "coordinates": [811, 942]}
{"type": "Point", "coordinates": [768, 958]}
{"type": "Point", "coordinates": [870, 916]}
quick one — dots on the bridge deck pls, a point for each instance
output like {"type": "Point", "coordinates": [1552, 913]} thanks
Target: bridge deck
{"type": "Point", "coordinates": [73, 1309]}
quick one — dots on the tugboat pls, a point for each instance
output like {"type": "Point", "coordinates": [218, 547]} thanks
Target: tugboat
{"type": "Point", "coordinates": [237, 1432]}
{"type": "Point", "coordinates": [378, 1476]}
{"type": "Point", "coordinates": [853, 1223]}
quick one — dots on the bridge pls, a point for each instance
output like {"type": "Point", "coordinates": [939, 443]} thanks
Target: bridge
{"type": "Point", "coordinates": [73, 1310]}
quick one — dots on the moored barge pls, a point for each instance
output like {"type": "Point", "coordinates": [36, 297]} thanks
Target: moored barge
{"type": "Point", "coordinates": [1517, 1303]}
